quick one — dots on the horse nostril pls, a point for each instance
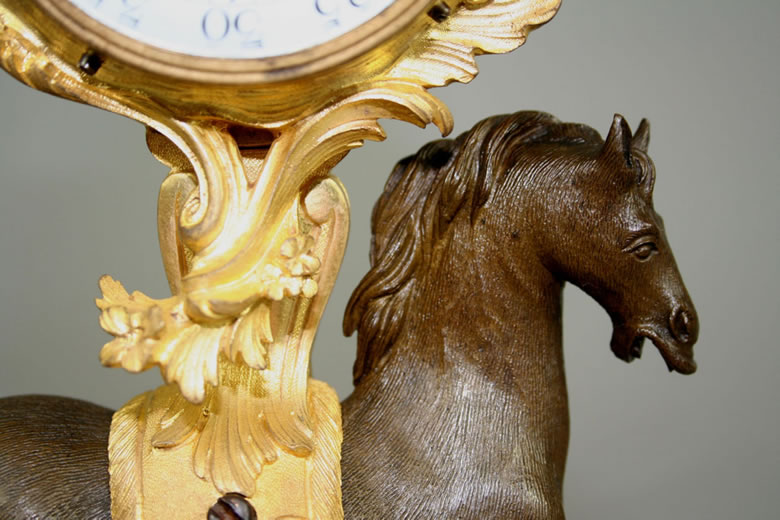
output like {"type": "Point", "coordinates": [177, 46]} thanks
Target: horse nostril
{"type": "Point", "coordinates": [684, 326]}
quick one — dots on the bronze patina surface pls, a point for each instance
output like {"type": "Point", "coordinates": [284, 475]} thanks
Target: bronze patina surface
{"type": "Point", "coordinates": [53, 458]}
{"type": "Point", "coordinates": [460, 408]}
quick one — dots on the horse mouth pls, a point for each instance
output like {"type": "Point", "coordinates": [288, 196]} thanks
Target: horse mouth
{"type": "Point", "coordinates": [627, 345]}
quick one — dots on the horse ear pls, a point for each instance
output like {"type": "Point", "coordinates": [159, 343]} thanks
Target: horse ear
{"type": "Point", "coordinates": [618, 142]}
{"type": "Point", "coordinates": [642, 136]}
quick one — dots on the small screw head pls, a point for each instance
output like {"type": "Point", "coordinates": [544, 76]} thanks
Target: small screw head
{"type": "Point", "coordinates": [90, 63]}
{"type": "Point", "coordinates": [439, 12]}
{"type": "Point", "coordinates": [232, 506]}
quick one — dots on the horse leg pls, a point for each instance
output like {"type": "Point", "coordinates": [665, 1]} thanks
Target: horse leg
{"type": "Point", "coordinates": [53, 458]}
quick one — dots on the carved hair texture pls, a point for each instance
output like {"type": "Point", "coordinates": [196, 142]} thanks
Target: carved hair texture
{"type": "Point", "coordinates": [424, 194]}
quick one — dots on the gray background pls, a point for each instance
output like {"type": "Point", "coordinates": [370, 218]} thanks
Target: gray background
{"type": "Point", "coordinates": [78, 195]}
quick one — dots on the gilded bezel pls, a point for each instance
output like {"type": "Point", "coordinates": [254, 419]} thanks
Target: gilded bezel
{"type": "Point", "coordinates": [235, 71]}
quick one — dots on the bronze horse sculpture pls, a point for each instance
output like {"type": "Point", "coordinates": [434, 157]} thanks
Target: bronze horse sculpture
{"type": "Point", "coordinates": [460, 406]}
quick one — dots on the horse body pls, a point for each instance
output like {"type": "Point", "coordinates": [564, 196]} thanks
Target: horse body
{"type": "Point", "coordinates": [53, 458]}
{"type": "Point", "coordinates": [460, 407]}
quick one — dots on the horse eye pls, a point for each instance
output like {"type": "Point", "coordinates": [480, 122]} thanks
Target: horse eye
{"type": "Point", "coordinates": [645, 250]}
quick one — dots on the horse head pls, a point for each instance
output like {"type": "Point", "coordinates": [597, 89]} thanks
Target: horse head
{"type": "Point", "coordinates": [613, 245]}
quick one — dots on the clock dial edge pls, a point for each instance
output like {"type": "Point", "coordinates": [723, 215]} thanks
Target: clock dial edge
{"type": "Point", "coordinates": [214, 70]}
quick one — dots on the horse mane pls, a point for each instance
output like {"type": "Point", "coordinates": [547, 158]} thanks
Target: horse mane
{"type": "Point", "coordinates": [423, 195]}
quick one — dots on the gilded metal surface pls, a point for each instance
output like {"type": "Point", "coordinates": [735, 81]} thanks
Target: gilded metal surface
{"type": "Point", "coordinates": [252, 233]}
{"type": "Point", "coordinates": [302, 487]}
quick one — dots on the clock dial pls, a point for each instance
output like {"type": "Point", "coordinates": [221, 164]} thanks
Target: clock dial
{"type": "Point", "coordinates": [231, 41]}
{"type": "Point", "coordinates": [232, 29]}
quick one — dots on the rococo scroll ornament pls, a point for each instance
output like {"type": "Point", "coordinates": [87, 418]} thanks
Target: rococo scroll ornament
{"type": "Point", "coordinates": [252, 227]}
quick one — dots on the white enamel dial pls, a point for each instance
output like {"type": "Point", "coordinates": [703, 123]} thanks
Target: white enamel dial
{"type": "Point", "coordinates": [232, 29]}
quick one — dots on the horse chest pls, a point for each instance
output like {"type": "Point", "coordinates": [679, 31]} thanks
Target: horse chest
{"type": "Point", "coordinates": [466, 451]}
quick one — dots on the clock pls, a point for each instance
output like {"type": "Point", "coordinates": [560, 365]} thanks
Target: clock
{"type": "Point", "coordinates": [234, 41]}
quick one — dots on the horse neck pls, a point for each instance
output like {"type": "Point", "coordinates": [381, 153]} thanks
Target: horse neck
{"type": "Point", "coordinates": [479, 313]}
{"type": "Point", "coordinates": [481, 353]}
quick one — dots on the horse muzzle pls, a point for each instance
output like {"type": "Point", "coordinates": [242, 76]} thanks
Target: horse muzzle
{"type": "Point", "coordinates": [674, 340]}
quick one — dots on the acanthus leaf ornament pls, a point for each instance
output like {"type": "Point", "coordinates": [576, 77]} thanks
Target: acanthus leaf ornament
{"type": "Point", "coordinates": [252, 232]}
